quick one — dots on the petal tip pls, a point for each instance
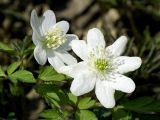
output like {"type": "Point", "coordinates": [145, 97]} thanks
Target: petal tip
{"type": "Point", "coordinates": [65, 22]}
{"type": "Point", "coordinates": [73, 91]}
{"type": "Point", "coordinates": [111, 105]}
{"type": "Point", "coordinates": [49, 12]}
{"type": "Point", "coordinates": [73, 42]}
{"type": "Point", "coordinates": [33, 11]}
{"type": "Point", "coordinates": [131, 89]}
{"type": "Point", "coordinates": [63, 25]}
{"type": "Point", "coordinates": [94, 30]}
{"type": "Point", "coordinates": [123, 38]}
{"type": "Point", "coordinates": [139, 62]}
{"type": "Point", "coordinates": [75, 37]}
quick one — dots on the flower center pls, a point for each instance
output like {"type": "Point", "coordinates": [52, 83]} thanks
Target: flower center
{"type": "Point", "coordinates": [54, 38]}
{"type": "Point", "coordinates": [101, 65]}
{"type": "Point", "coordinates": [101, 62]}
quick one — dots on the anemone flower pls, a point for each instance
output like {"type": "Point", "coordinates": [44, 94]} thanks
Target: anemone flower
{"type": "Point", "coordinates": [51, 40]}
{"type": "Point", "coordinates": [101, 68]}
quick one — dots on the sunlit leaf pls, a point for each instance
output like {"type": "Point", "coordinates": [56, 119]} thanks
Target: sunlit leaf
{"type": "Point", "coordinates": [13, 67]}
{"type": "Point", "coordinates": [49, 74]}
{"type": "Point", "coordinates": [86, 103]}
{"type": "Point", "coordinates": [72, 98]}
{"type": "Point", "coordinates": [6, 48]}
{"type": "Point", "coordinates": [2, 74]}
{"type": "Point", "coordinates": [23, 76]}
{"type": "Point", "coordinates": [51, 114]}
{"type": "Point", "coordinates": [85, 115]}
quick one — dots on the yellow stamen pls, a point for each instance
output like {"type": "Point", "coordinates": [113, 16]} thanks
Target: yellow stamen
{"type": "Point", "coordinates": [101, 65]}
{"type": "Point", "coordinates": [54, 38]}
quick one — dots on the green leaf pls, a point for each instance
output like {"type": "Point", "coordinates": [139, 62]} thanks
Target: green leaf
{"type": "Point", "coordinates": [11, 116]}
{"type": "Point", "coordinates": [72, 98]}
{"type": "Point", "coordinates": [51, 114]}
{"type": "Point", "coordinates": [143, 105]}
{"type": "Point", "coordinates": [27, 46]}
{"type": "Point", "coordinates": [85, 115]}
{"type": "Point", "coordinates": [13, 67]}
{"type": "Point", "coordinates": [48, 90]}
{"type": "Point", "coordinates": [15, 89]}
{"type": "Point", "coordinates": [52, 94]}
{"type": "Point", "coordinates": [2, 74]}
{"type": "Point", "coordinates": [52, 102]}
{"type": "Point", "coordinates": [49, 74]}
{"type": "Point", "coordinates": [43, 89]}
{"type": "Point", "coordinates": [147, 117]}
{"type": "Point", "coordinates": [6, 48]}
{"type": "Point", "coordinates": [58, 77]}
{"type": "Point", "coordinates": [22, 75]}
{"type": "Point", "coordinates": [59, 96]}
{"type": "Point", "coordinates": [118, 95]}
{"type": "Point", "coordinates": [86, 103]}
{"type": "Point", "coordinates": [120, 114]}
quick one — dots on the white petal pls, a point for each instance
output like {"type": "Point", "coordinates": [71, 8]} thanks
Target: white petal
{"type": "Point", "coordinates": [83, 83]}
{"type": "Point", "coordinates": [66, 57]}
{"type": "Point", "coordinates": [118, 47]}
{"type": "Point", "coordinates": [63, 25]}
{"type": "Point", "coordinates": [49, 20]}
{"type": "Point", "coordinates": [36, 38]}
{"type": "Point", "coordinates": [122, 83]}
{"type": "Point", "coordinates": [36, 23]}
{"type": "Point", "coordinates": [56, 62]}
{"type": "Point", "coordinates": [66, 45]}
{"type": "Point", "coordinates": [95, 38]}
{"type": "Point", "coordinates": [105, 94]}
{"type": "Point", "coordinates": [71, 37]}
{"type": "Point", "coordinates": [40, 55]}
{"type": "Point", "coordinates": [128, 64]}
{"type": "Point", "coordinates": [74, 70]}
{"type": "Point", "coordinates": [80, 48]}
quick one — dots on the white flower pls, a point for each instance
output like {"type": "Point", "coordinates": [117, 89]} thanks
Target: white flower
{"type": "Point", "coordinates": [101, 68]}
{"type": "Point", "coordinates": [51, 40]}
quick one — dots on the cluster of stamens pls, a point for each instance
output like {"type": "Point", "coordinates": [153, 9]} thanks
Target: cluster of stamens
{"type": "Point", "coordinates": [54, 38]}
{"type": "Point", "coordinates": [101, 65]}
{"type": "Point", "coordinates": [101, 62]}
